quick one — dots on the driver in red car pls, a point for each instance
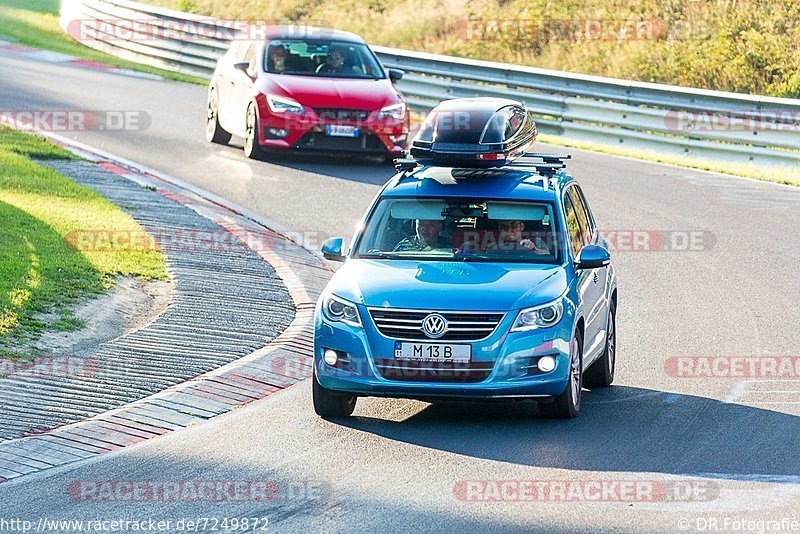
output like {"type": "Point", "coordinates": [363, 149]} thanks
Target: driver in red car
{"type": "Point", "coordinates": [334, 62]}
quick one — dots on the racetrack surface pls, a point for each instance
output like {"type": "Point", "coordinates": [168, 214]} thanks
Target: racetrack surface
{"type": "Point", "coordinates": [396, 463]}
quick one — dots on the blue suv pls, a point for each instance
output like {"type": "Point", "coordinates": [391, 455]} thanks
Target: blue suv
{"type": "Point", "coordinates": [483, 279]}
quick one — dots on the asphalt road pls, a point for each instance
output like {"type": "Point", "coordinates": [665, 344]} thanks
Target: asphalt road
{"type": "Point", "coordinates": [401, 465]}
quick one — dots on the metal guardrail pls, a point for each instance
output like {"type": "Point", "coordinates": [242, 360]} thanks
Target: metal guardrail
{"type": "Point", "coordinates": [692, 122]}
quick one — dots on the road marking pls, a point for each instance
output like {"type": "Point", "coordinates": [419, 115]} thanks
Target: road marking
{"type": "Point", "coordinates": [764, 392]}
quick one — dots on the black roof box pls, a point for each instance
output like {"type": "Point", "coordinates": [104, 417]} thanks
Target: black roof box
{"type": "Point", "coordinates": [474, 132]}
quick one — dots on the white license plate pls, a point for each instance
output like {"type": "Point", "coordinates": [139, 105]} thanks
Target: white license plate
{"type": "Point", "coordinates": [432, 352]}
{"type": "Point", "coordinates": [339, 130]}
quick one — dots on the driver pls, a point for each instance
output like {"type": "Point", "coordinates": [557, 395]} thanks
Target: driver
{"type": "Point", "coordinates": [334, 61]}
{"type": "Point", "coordinates": [511, 238]}
{"type": "Point", "coordinates": [426, 237]}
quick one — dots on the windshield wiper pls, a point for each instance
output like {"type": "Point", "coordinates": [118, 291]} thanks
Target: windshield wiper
{"type": "Point", "coordinates": [403, 256]}
{"type": "Point", "coordinates": [382, 256]}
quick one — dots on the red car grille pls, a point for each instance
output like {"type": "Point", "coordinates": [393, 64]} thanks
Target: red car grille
{"type": "Point", "coordinates": [342, 115]}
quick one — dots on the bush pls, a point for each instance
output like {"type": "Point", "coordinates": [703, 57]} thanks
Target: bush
{"type": "Point", "coordinates": [745, 46]}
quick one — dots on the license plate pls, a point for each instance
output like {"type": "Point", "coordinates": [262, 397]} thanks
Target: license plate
{"type": "Point", "coordinates": [339, 130]}
{"type": "Point", "coordinates": [432, 352]}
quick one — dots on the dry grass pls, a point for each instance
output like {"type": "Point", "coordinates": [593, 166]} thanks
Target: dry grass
{"type": "Point", "coordinates": [734, 45]}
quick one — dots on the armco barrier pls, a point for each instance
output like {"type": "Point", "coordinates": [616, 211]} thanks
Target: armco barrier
{"type": "Point", "coordinates": [693, 122]}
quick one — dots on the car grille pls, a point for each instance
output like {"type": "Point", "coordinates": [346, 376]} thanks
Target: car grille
{"type": "Point", "coordinates": [365, 142]}
{"type": "Point", "coordinates": [342, 115]}
{"type": "Point", "coordinates": [411, 371]}
{"type": "Point", "coordinates": [461, 326]}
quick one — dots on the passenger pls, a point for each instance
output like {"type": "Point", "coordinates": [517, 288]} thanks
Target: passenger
{"type": "Point", "coordinates": [426, 237]}
{"type": "Point", "coordinates": [277, 59]}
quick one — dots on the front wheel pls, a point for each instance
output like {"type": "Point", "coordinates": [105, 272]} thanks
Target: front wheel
{"type": "Point", "coordinates": [568, 404]}
{"type": "Point", "coordinates": [331, 404]}
{"type": "Point", "coordinates": [214, 132]}
{"type": "Point", "coordinates": [601, 373]}
{"type": "Point", "coordinates": [251, 147]}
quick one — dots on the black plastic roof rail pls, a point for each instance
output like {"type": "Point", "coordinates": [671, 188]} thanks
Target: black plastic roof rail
{"type": "Point", "coordinates": [406, 164]}
{"type": "Point", "coordinates": [548, 158]}
{"type": "Point", "coordinates": [550, 163]}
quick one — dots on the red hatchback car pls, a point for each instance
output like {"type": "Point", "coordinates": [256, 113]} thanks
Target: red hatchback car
{"type": "Point", "coordinates": [324, 91]}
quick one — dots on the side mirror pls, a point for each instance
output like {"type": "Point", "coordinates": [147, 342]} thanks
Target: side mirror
{"type": "Point", "coordinates": [593, 257]}
{"type": "Point", "coordinates": [396, 75]}
{"type": "Point", "coordinates": [332, 249]}
{"type": "Point", "coordinates": [243, 66]}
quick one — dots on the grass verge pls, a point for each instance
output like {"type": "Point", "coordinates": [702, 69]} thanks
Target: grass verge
{"type": "Point", "coordinates": [781, 175]}
{"type": "Point", "coordinates": [35, 23]}
{"type": "Point", "coordinates": [39, 272]}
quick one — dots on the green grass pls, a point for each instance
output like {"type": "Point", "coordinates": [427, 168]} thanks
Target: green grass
{"type": "Point", "coordinates": [781, 175]}
{"type": "Point", "coordinates": [39, 271]}
{"type": "Point", "coordinates": [34, 23]}
{"type": "Point", "coordinates": [32, 146]}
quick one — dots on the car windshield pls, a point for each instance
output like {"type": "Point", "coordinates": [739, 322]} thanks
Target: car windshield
{"type": "Point", "coordinates": [329, 59]}
{"type": "Point", "coordinates": [470, 229]}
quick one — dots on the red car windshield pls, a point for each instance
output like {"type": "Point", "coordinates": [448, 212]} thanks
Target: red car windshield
{"type": "Point", "coordinates": [329, 59]}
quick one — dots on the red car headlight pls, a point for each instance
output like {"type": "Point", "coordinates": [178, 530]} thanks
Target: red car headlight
{"type": "Point", "coordinates": [395, 111]}
{"type": "Point", "coordinates": [281, 104]}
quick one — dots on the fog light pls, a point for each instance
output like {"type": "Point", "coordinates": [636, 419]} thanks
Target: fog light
{"type": "Point", "coordinates": [279, 133]}
{"type": "Point", "coordinates": [331, 357]}
{"type": "Point", "coordinates": [546, 364]}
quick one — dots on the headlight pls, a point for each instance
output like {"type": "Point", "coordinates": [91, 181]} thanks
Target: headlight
{"type": "Point", "coordinates": [543, 316]}
{"type": "Point", "coordinates": [395, 111]}
{"type": "Point", "coordinates": [281, 104]}
{"type": "Point", "coordinates": [340, 310]}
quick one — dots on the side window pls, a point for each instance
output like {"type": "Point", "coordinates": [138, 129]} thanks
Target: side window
{"type": "Point", "coordinates": [589, 213]}
{"type": "Point", "coordinates": [580, 212]}
{"type": "Point", "coordinates": [576, 239]}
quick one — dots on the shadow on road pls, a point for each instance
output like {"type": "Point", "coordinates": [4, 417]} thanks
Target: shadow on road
{"type": "Point", "coordinates": [620, 429]}
{"type": "Point", "coordinates": [363, 169]}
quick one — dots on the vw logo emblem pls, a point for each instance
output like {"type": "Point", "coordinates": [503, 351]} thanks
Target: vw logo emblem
{"type": "Point", "coordinates": [434, 325]}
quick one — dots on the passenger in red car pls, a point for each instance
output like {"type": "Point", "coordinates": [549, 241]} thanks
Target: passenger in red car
{"type": "Point", "coordinates": [277, 59]}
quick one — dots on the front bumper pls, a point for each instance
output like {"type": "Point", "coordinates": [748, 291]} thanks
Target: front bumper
{"type": "Point", "coordinates": [509, 359]}
{"type": "Point", "coordinates": [282, 131]}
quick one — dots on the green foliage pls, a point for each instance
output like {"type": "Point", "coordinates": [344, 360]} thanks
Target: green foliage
{"type": "Point", "coordinates": [189, 6]}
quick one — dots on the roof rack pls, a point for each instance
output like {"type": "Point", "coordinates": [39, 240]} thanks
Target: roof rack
{"type": "Point", "coordinates": [548, 158]}
{"type": "Point", "coordinates": [550, 163]}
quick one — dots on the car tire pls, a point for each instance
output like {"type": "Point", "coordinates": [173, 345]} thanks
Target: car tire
{"type": "Point", "coordinates": [567, 405]}
{"type": "Point", "coordinates": [214, 132]}
{"type": "Point", "coordinates": [601, 372]}
{"type": "Point", "coordinates": [251, 147]}
{"type": "Point", "coordinates": [331, 404]}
